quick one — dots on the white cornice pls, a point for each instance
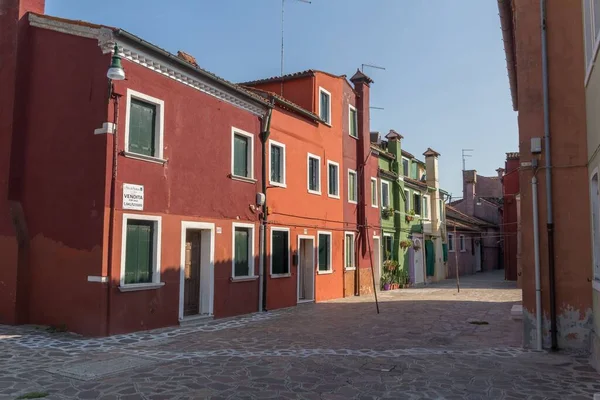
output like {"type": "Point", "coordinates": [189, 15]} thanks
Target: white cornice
{"type": "Point", "coordinates": [106, 40]}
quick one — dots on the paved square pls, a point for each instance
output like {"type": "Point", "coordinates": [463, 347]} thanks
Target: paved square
{"type": "Point", "coordinates": [422, 346]}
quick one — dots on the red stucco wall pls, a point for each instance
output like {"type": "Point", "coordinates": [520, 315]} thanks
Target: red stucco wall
{"type": "Point", "coordinates": [510, 184]}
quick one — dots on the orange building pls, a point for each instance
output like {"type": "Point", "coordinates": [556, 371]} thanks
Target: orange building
{"type": "Point", "coordinates": [318, 191]}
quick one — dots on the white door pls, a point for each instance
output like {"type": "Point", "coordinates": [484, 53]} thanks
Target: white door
{"type": "Point", "coordinates": [478, 255]}
{"type": "Point", "coordinates": [377, 261]}
{"type": "Point", "coordinates": [419, 259]}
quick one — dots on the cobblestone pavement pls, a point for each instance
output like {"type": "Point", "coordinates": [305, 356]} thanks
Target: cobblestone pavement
{"type": "Point", "coordinates": [428, 343]}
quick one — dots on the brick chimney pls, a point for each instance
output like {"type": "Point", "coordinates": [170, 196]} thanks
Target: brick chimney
{"type": "Point", "coordinates": [13, 25]}
{"type": "Point", "coordinates": [433, 180]}
{"type": "Point", "coordinates": [469, 190]}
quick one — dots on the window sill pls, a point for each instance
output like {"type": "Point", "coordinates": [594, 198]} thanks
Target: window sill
{"type": "Point", "coordinates": [353, 137]}
{"type": "Point", "coordinates": [277, 276]}
{"type": "Point", "coordinates": [350, 269]}
{"type": "Point", "coordinates": [242, 178]}
{"type": "Point", "coordinates": [142, 157]}
{"type": "Point", "coordinates": [333, 196]}
{"type": "Point", "coordinates": [314, 192]}
{"type": "Point", "coordinates": [277, 184]}
{"type": "Point", "coordinates": [324, 272]}
{"type": "Point", "coordinates": [374, 206]}
{"type": "Point", "coordinates": [243, 278]}
{"type": "Point", "coordinates": [596, 285]}
{"type": "Point", "coordinates": [463, 251]}
{"type": "Point", "coordinates": [451, 251]}
{"type": "Point", "coordinates": [352, 202]}
{"type": "Point", "coordinates": [134, 287]}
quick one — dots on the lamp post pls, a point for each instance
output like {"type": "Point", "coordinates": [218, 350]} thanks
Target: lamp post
{"type": "Point", "coordinates": [115, 71]}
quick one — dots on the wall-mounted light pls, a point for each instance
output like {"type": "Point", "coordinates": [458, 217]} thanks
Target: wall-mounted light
{"type": "Point", "coordinates": [115, 72]}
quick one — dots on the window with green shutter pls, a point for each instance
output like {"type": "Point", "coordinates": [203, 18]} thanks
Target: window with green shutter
{"type": "Point", "coordinates": [139, 252]}
{"type": "Point", "coordinates": [405, 164]}
{"type": "Point", "coordinates": [349, 251]}
{"type": "Point", "coordinates": [324, 252]}
{"type": "Point", "coordinates": [314, 175]}
{"type": "Point", "coordinates": [417, 203]}
{"type": "Point", "coordinates": [242, 252]}
{"type": "Point", "coordinates": [385, 194]}
{"type": "Point", "coordinates": [324, 106]}
{"type": "Point", "coordinates": [352, 194]}
{"type": "Point", "coordinates": [280, 252]}
{"type": "Point", "coordinates": [387, 247]}
{"type": "Point", "coordinates": [277, 167]}
{"type": "Point", "coordinates": [142, 124]}
{"type": "Point", "coordinates": [333, 180]}
{"type": "Point", "coordinates": [241, 156]}
{"type": "Point", "coordinates": [353, 122]}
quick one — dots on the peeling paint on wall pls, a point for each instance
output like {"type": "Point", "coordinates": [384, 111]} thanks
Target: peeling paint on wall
{"type": "Point", "coordinates": [574, 328]}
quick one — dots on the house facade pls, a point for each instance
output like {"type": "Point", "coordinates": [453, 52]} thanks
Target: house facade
{"type": "Point", "coordinates": [552, 105]}
{"type": "Point", "coordinates": [510, 218]}
{"type": "Point", "coordinates": [465, 235]}
{"type": "Point", "coordinates": [591, 24]}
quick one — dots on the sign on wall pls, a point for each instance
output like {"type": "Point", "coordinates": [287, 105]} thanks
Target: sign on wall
{"type": "Point", "coordinates": [133, 197]}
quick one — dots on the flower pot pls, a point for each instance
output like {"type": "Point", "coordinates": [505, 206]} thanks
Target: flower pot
{"type": "Point", "coordinates": [386, 286]}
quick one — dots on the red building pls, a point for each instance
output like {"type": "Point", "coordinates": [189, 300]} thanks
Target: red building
{"type": "Point", "coordinates": [510, 223]}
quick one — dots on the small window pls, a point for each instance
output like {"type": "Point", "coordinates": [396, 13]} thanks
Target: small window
{"type": "Point", "coordinates": [324, 252]}
{"type": "Point", "coordinates": [450, 242]}
{"type": "Point", "coordinates": [353, 123]}
{"type": "Point", "coordinates": [461, 239]}
{"type": "Point", "coordinates": [417, 202]}
{"type": "Point", "coordinates": [243, 250]}
{"type": "Point", "coordinates": [405, 165]}
{"type": "Point", "coordinates": [441, 209]}
{"type": "Point", "coordinates": [374, 192]}
{"type": "Point", "coordinates": [325, 105]}
{"type": "Point", "coordinates": [406, 201]}
{"type": "Point", "coordinates": [144, 125]}
{"type": "Point", "coordinates": [140, 259]}
{"type": "Point", "coordinates": [425, 208]}
{"type": "Point", "coordinates": [314, 174]}
{"type": "Point", "coordinates": [387, 247]}
{"type": "Point", "coordinates": [277, 164]}
{"type": "Point", "coordinates": [333, 179]}
{"type": "Point", "coordinates": [280, 251]}
{"type": "Point", "coordinates": [349, 250]}
{"type": "Point", "coordinates": [242, 157]}
{"type": "Point", "coordinates": [352, 189]}
{"type": "Point", "coordinates": [385, 194]}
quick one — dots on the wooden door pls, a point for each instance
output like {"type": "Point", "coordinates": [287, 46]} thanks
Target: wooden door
{"type": "Point", "coordinates": [191, 294]}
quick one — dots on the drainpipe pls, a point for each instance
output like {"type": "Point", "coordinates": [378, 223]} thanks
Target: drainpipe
{"type": "Point", "coordinates": [111, 220]}
{"type": "Point", "coordinates": [536, 253]}
{"type": "Point", "coordinates": [550, 219]}
{"type": "Point", "coordinates": [262, 285]}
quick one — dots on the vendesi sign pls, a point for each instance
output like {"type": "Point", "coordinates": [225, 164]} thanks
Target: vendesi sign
{"type": "Point", "coordinates": [133, 197]}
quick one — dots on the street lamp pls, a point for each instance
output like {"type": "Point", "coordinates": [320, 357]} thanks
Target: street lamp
{"type": "Point", "coordinates": [115, 72]}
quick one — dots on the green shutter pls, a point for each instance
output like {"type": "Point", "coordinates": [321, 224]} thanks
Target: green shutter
{"type": "Point", "coordinates": [279, 252]}
{"type": "Point", "coordinates": [139, 252]}
{"type": "Point", "coordinates": [142, 119]}
{"type": "Point", "coordinates": [352, 186]}
{"type": "Point", "coordinates": [333, 180]}
{"type": "Point", "coordinates": [413, 170]}
{"type": "Point", "coordinates": [349, 251]}
{"type": "Point", "coordinates": [242, 250]}
{"type": "Point", "coordinates": [324, 249]}
{"type": "Point", "coordinates": [445, 251]}
{"type": "Point", "coordinates": [276, 164]}
{"type": "Point", "coordinates": [240, 156]}
{"type": "Point", "coordinates": [429, 258]}
{"type": "Point", "coordinates": [353, 123]}
{"type": "Point", "coordinates": [313, 174]}
{"type": "Point", "coordinates": [324, 107]}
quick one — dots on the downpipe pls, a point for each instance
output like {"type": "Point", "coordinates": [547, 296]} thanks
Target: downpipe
{"type": "Point", "coordinates": [536, 254]}
{"type": "Point", "coordinates": [262, 270]}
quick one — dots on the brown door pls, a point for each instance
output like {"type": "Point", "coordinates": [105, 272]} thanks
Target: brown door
{"type": "Point", "coordinates": [191, 294]}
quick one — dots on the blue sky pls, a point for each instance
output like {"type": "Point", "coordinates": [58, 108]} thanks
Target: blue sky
{"type": "Point", "coordinates": [445, 84]}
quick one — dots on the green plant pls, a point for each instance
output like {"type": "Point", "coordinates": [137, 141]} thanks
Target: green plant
{"type": "Point", "coordinates": [33, 395]}
{"type": "Point", "coordinates": [410, 215]}
{"type": "Point", "coordinates": [387, 212]}
{"type": "Point", "coordinates": [405, 244]}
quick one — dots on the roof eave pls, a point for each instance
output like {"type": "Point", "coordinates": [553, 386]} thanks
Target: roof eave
{"type": "Point", "coordinates": [506, 22]}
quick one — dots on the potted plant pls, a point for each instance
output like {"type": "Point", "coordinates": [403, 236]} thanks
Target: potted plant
{"type": "Point", "coordinates": [385, 281]}
{"type": "Point", "coordinates": [387, 212]}
{"type": "Point", "coordinates": [410, 216]}
{"type": "Point", "coordinates": [405, 244]}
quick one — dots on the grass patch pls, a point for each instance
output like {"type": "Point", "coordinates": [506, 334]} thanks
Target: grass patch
{"type": "Point", "coordinates": [33, 395]}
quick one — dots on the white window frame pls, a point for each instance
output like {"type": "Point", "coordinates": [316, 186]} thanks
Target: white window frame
{"type": "Point", "coordinates": [451, 243]}
{"type": "Point", "coordinates": [350, 109]}
{"type": "Point", "coordinates": [308, 157]}
{"type": "Point", "coordinates": [588, 12]}
{"type": "Point", "coordinates": [241, 132]}
{"type": "Point", "coordinates": [426, 199]}
{"type": "Point", "coordinates": [386, 235]}
{"type": "Point", "coordinates": [159, 126]}
{"type": "Point", "coordinates": [251, 268]}
{"type": "Point", "coordinates": [405, 173]}
{"type": "Point", "coordinates": [353, 252]}
{"type": "Point", "coordinates": [157, 244]}
{"type": "Point", "coordinates": [462, 244]}
{"type": "Point", "coordinates": [375, 201]}
{"type": "Point", "coordinates": [330, 270]}
{"type": "Point", "coordinates": [353, 172]}
{"type": "Point", "coordinates": [337, 168]}
{"type": "Point", "coordinates": [289, 273]}
{"type": "Point", "coordinates": [595, 238]}
{"type": "Point", "coordinates": [283, 161]}
{"type": "Point", "coordinates": [322, 90]}
{"type": "Point", "coordinates": [407, 201]}
{"type": "Point", "coordinates": [384, 182]}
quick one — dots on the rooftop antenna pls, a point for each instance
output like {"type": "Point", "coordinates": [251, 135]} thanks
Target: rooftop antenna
{"type": "Point", "coordinates": [465, 154]}
{"type": "Point", "coordinates": [282, 20]}
{"type": "Point", "coordinates": [362, 69]}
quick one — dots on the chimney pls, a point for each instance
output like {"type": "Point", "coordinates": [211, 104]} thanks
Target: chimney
{"type": "Point", "coordinates": [433, 180]}
{"type": "Point", "coordinates": [395, 147]}
{"type": "Point", "coordinates": [500, 172]}
{"type": "Point", "coordinates": [470, 191]}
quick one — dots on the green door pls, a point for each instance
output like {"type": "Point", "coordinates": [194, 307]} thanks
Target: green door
{"type": "Point", "coordinates": [430, 257]}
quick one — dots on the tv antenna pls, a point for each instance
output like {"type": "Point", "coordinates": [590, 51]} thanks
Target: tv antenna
{"type": "Point", "coordinates": [362, 69]}
{"type": "Point", "coordinates": [282, 21]}
{"type": "Point", "coordinates": [465, 154]}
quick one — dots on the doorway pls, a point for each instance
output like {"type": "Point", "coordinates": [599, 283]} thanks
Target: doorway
{"type": "Point", "coordinates": [477, 255]}
{"type": "Point", "coordinates": [196, 271]}
{"type": "Point", "coordinates": [306, 269]}
{"type": "Point", "coordinates": [418, 259]}
{"type": "Point", "coordinates": [377, 261]}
